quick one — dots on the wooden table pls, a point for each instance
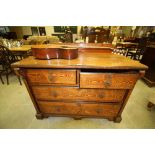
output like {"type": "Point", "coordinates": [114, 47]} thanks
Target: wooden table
{"type": "Point", "coordinates": [22, 51]}
{"type": "Point", "coordinates": [23, 48]}
{"type": "Point", "coordinates": [92, 85]}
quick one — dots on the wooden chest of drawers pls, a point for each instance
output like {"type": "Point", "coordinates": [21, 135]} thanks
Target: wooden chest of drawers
{"type": "Point", "coordinates": [93, 85]}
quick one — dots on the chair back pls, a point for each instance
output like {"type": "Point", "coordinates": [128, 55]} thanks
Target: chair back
{"type": "Point", "coordinates": [6, 57]}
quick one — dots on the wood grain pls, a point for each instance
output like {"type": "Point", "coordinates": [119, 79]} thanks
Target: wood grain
{"type": "Point", "coordinates": [90, 60]}
{"type": "Point", "coordinates": [85, 109]}
{"type": "Point", "coordinates": [48, 76]}
{"type": "Point", "coordinates": [108, 80]}
{"type": "Point", "coordinates": [77, 94]}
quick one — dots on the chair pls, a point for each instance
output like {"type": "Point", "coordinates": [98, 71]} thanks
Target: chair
{"type": "Point", "coordinates": [6, 59]}
{"type": "Point", "coordinates": [68, 37]}
{"type": "Point", "coordinates": [139, 51]}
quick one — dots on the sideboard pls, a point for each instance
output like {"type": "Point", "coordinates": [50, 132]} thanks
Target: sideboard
{"type": "Point", "coordinates": [96, 84]}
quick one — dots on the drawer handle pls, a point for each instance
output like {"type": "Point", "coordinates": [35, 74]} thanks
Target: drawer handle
{"type": "Point", "coordinates": [54, 94]}
{"type": "Point", "coordinates": [107, 83]}
{"type": "Point", "coordinates": [101, 95]}
{"type": "Point", "coordinates": [50, 77]}
{"type": "Point", "coordinates": [98, 111]}
{"type": "Point", "coordinates": [56, 108]}
{"type": "Point", "coordinates": [108, 80]}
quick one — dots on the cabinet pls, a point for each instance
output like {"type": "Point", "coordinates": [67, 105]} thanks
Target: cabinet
{"type": "Point", "coordinates": [92, 85]}
{"type": "Point", "coordinates": [149, 60]}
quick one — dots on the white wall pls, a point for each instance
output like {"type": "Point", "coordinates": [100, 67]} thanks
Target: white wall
{"type": "Point", "coordinates": [26, 30]}
{"type": "Point", "coordinates": [49, 30]}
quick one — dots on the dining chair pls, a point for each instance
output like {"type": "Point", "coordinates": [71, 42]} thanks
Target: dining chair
{"type": "Point", "coordinates": [6, 59]}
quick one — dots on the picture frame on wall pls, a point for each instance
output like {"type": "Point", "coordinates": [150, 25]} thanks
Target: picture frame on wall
{"type": "Point", "coordinates": [61, 29]}
{"type": "Point", "coordinates": [35, 31]}
{"type": "Point", "coordinates": [42, 31]}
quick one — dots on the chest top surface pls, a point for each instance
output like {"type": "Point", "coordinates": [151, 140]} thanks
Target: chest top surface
{"type": "Point", "coordinates": [85, 60]}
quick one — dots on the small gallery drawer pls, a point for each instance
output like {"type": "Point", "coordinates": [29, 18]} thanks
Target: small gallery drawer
{"type": "Point", "coordinates": [108, 80]}
{"type": "Point", "coordinates": [83, 109]}
{"type": "Point", "coordinates": [51, 76]}
{"type": "Point", "coordinates": [73, 93]}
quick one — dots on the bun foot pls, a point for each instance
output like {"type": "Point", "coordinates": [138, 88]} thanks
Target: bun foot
{"type": "Point", "coordinates": [77, 118]}
{"type": "Point", "coordinates": [118, 119]}
{"type": "Point", "coordinates": [39, 116]}
{"type": "Point", "coordinates": [150, 105]}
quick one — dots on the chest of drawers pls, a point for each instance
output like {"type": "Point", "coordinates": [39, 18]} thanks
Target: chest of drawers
{"type": "Point", "coordinates": [93, 85]}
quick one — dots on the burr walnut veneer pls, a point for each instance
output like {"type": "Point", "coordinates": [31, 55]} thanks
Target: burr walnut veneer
{"type": "Point", "coordinates": [96, 84]}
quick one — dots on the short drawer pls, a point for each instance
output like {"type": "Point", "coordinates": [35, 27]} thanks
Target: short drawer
{"type": "Point", "coordinates": [51, 76]}
{"type": "Point", "coordinates": [59, 107]}
{"type": "Point", "coordinates": [82, 109]}
{"type": "Point", "coordinates": [108, 80]}
{"type": "Point", "coordinates": [73, 93]}
{"type": "Point", "coordinates": [104, 109]}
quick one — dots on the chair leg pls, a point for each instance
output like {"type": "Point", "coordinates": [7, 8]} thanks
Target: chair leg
{"type": "Point", "coordinates": [7, 77]}
{"type": "Point", "coordinates": [1, 79]}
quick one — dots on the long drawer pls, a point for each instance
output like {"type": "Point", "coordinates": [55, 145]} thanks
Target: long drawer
{"type": "Point", "coordinates": [85, 109]}
{"type": "Point", "coordinates": [51, 76]}
{"type": "Point", "coordinates": [74, 93]}
{"type": "Point", "coordinates": [108, 80]}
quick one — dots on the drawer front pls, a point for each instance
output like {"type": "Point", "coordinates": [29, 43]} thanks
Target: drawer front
{"type": "Point", "coordinates": [83, 109]}
{"type": "Point", "coordinates": [51, 76]}
{"type": "Point", "coordinates": [59, 107]}
{"type": "Point", "coordinates": [100, 109]}
{"type": "Point", "coordinates": [72, 93]}
{"type": "Point", "coordinates": [108, 80]}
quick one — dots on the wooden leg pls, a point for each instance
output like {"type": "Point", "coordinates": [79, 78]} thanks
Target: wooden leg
{"type": "Point", "coordinates": [110, 119]}
{"type": "Point", "coordinates": [1, 79]}
{"type": "Point", "coordinates": [118, 119]}
{"type": "Point", "coordinates": [7, 78]}
{"type": "Point", "coordinates": [150, 105]}
{"type": "Point", "coordinates": [39, 116]}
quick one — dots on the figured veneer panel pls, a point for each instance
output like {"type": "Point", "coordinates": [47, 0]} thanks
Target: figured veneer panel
{"type": "Point", "coordinates": [84, 109]}
{"type": "Point", "coordinates": [73, 93]}
{"type": "Point", "coordinates": [108, 80]}
{"type": "Point", "coordinates": [48, 76]}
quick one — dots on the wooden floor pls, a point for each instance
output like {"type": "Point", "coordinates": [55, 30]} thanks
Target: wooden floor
{"type": "Point", "coordinates": [17, 111]}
